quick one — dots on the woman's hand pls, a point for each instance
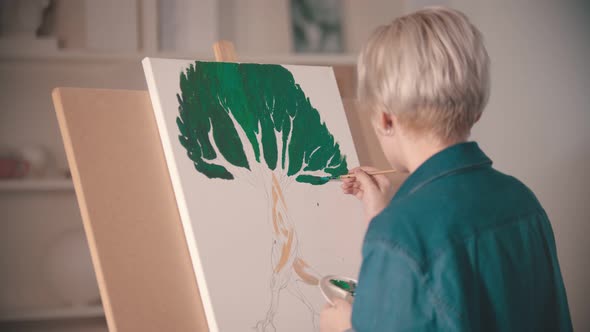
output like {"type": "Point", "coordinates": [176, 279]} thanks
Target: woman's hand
{"type": "Point", "coordinates": [374, 191]}
{"type": "Point", "coordinates": [336, 318]}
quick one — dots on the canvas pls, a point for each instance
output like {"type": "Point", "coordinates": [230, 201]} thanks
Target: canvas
{"type": "Point", "coordinates": [250, 149]}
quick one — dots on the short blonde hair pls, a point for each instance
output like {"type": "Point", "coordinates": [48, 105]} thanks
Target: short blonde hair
{"type": "Point", "coordinates": [431, 69]}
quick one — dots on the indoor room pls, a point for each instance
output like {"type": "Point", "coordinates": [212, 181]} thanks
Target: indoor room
{"type": "Point", "coordinates": [294, 165]}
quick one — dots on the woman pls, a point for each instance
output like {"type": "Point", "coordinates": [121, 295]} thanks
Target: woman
{"type": "Point", "coordinates": [461, 246]}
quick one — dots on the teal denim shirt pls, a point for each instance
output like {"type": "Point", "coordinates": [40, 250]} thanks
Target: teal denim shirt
{"type": "Point", "coordinates": [461, 247]}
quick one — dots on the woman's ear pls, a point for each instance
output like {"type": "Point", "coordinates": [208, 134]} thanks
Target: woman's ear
{"type": "Point", "coordinates": [385, 123]}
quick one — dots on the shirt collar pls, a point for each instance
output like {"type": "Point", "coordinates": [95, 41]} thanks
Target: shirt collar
{"type": "Point", "coordinates": [453, 159]}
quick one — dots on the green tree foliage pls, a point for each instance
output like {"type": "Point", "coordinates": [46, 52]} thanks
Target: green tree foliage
{"type": "Point", "coordinates": [269, 106]}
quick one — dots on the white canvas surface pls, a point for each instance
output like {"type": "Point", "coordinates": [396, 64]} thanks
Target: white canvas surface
{"type": "Point", "coordinates": [227, 225]}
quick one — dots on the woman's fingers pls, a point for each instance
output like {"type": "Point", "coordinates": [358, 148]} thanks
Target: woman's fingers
{"type": "Point", "coordinates": [350, 184]}
{"type": "Point", "coordinates": [364, 180]}
{"type": "Point", "coordinates": [350, 190]}
{"type": "Point", "coordinates": [348, 180]}
{"type": "Point", "coordinates": [347, 187]}
{"type": "Point", "coordinates": [380, 180]}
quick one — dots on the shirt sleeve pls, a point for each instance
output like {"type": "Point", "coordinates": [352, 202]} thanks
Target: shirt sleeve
{"type": "Point", "coordinates": [391, 294]}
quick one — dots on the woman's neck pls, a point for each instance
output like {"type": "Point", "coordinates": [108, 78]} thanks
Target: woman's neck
{"type": "Point", "coordinates": [418, 151]}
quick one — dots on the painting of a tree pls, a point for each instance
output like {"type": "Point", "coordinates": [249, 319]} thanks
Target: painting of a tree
{"type": "Point", "coordinates": [223, 103]}
{"type": "Point", "coordinates": [254, 123]}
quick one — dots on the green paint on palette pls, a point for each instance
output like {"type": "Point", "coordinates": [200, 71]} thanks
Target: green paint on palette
{"type": "Point", "coordinates": [344, 285]}
{"type": "Point", "coordinates": [268, 105]}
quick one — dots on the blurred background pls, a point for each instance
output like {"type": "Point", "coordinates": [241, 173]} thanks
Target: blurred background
{"type": "Point", "coordinates": [536, 126]}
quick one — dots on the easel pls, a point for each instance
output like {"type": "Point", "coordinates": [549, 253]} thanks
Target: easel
{"type": "Point", "coordinates": [128, 207]}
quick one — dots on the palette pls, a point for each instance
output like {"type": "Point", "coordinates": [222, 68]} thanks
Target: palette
{"type": "Point", "coordinates": [338, 287]}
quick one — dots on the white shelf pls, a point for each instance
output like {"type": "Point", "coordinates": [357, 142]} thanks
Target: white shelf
{"type": "Point", "coordinates": [36, 185]}
{"type": "Point", "coordinates": [86, 56]}
{"type": "Point", "coordinates": [53, 314]}
{"type": "Point", "coordinates": [74, 56]}
{"type": "Point", "coordinates": [303, 59]}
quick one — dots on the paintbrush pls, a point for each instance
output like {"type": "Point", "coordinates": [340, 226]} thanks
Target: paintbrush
{"type": "Point", "coordinates": [350, 175]}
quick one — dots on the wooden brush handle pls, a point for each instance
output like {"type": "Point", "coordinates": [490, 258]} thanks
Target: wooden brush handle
{"type": "Point", "coordinates": [347, 176]}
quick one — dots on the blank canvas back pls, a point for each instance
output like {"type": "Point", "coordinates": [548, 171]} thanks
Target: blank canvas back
{"type": "Point", "coordinates": [128, 209]}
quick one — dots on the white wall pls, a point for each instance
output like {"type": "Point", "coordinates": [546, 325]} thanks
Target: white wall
{"type": "Point", "coordinates": [188, 26]}
{"type": "Point", "coordinates": [362, 17]}
{"type": "Point", "coordinates": [537, 124]}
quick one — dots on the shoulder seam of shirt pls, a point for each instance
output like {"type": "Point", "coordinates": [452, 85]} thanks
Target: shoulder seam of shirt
{"type": "Point", "coordinates": [436, 298]}
{"type": "Point", "coordinates": [463, 169]}
{"type": "Point", "coordinates": [509, 221]}
{"type": "Point", "coordinates": [396, 201]}
{"type": "Point", "coordinates": [423, 264]}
